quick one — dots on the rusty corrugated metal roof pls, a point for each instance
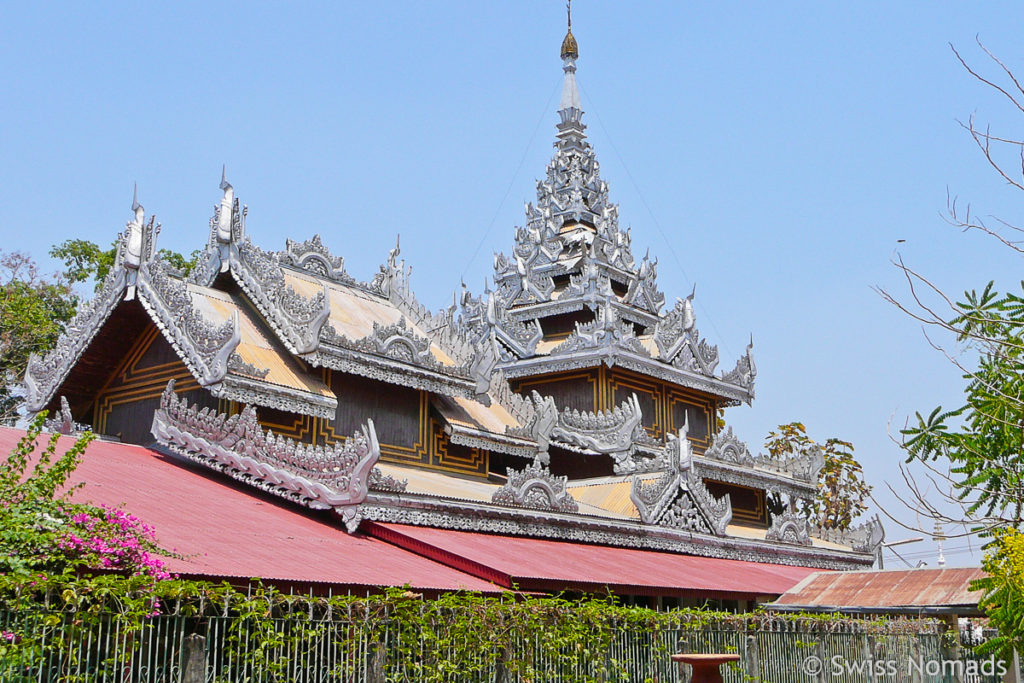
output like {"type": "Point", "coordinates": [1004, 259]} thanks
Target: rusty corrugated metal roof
{"type": "Point", "coordinates": [885, 590]}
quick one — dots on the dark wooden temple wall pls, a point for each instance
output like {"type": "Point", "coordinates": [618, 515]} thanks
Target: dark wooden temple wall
{"type": "Point", "coordinates": [125, 404]}
{"type": "Point", "coordinates": [407, 431]}
{"type": "Point", "coordinates": [579, 389]}
{"type": "Point", "coordinates": [579, 466]}
{"type": "Point", "coordinates": [748, 504]}
{"type": "Point", "coordinates": [665, 407]}
{"type": "Point", "coordinates": [399, 416]}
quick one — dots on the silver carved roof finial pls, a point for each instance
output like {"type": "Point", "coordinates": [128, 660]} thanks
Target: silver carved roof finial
{"type": "Point", "coordinates": [133, 233]}
{"type": "Point", "coordinates": [226, 207]}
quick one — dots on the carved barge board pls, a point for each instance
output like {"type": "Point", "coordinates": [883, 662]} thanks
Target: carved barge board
{"type": "Point", "coordinates": [665, 407]}
{"type": "Point", "coordinates": [113, 341]}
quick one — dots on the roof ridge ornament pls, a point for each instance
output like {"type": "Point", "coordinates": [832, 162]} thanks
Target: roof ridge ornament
{"type": "Point", "coordinates": [225, 211]}
{"type": "Point", "coordinates": [227, 230]}
{"type": "Point", "coordinates": [536, 487]}
{"type": "Point", "coordinates": [137, 244]}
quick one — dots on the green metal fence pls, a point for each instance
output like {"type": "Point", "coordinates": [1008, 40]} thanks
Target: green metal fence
{"type": "Point", "coordinates": [351, 648]}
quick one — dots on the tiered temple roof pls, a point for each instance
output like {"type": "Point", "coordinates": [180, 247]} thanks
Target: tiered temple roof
{"type": "Point", "coordinates": [566, 402]}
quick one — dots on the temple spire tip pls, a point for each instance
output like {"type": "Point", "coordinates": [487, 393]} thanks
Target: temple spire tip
{"type": "Point", "coordinates": [570, 49]}
{"type": "Point", "coordinates": [570, 53]}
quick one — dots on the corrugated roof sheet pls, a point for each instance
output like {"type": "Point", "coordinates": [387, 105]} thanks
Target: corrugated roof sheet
{"type": "Point", "coordinates": [353, 311]}
{"type": "Point", "coordinates": [611, 494]}
{"type": "Point", "coordinates": [256, 347]}
{"type": "Point", "coordinates": [443, 484]}
{"type": "Point", "coordinates": [463, 411]}
{"type": "Point", "coordinates": [539, 564]}
{"type": "Point", "coordinates": [922, 589]}
{"type": "Point", "coordinates": [228, 530]}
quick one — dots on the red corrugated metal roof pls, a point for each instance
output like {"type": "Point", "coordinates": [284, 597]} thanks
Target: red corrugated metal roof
{"type": "Point", "coordinates": [229, 530]}
{"type": "Point", "coordinates": [538, 564]}
{"type": "Point", "coordinates": [906, 589]}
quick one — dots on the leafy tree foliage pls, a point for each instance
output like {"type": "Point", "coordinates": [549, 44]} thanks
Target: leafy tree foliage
{"type": "Point", "coordinates": [842, 491]}
{"type": "Point", "coordinates": [33, 310]}
{"type": "Point", "coordinates": [42, 530]}
{"type": "Point", "coordinates": [983, 440]}
{"type": "Point", "coordinates": [84, 260]}
{"type": "Point", "coordinates": [1003, 593]}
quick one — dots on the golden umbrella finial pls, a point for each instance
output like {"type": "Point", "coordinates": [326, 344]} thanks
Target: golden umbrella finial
{"type": "Point", "coordinates": [570, 50]}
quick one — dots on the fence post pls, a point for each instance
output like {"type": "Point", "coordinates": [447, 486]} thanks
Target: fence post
{"type": "Point", "coordinates": [870, 653]}
{"type": "Point", "coordinates": [750, 660]}
{"type": "Point", "coordinates": [194, 655]}
{"type": "Point", "coordinates": [1013, 669]}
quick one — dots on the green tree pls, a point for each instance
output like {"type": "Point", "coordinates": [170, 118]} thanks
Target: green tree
{"type": "Point", "coordinates": [973, 455]}
{"type": "Point", "coordinates": [982, 441]}
{"type": "Point", "coordinates": [842, 490]}
{"type": "Point", "coordinates": [42, 529]}
{"type": "Point", "coordinates": [33, 310]}
{"type": "Point", "coordinates": [1003, 592]}
{"type": "Point", "coordinates": [84, 260]}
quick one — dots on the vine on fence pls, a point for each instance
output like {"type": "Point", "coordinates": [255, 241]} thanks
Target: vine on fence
{"type": "Point", "coordinates": [73, 576]}
{"type": "Point", "coordinates": [457, 636]}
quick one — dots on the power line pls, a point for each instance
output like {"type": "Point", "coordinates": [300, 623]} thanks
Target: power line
{"type": "Point", "coordinates": [508, 190]}
{"type": "Point", "coordinates": [657, 224]}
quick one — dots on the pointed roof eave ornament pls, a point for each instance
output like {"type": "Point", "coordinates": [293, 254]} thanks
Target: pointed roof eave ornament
{"type": "Point", "coordinates": [224, 215]}
{"type": "Point", "coordinates": [227, 230]}
{"type": "Point", "coordinates": [137, 244]}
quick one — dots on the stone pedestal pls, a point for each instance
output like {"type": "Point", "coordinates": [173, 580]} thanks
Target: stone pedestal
{"type": "Point", "coordinates": [705, 667]}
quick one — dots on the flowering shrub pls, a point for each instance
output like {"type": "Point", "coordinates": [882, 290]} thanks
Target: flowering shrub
{"type": "Point", "coordinates": [112, 539]}
{"type": "Point", "coordinates": [42, 530]}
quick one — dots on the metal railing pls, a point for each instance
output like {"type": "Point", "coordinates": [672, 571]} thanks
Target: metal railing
{"type": "Point", "coordinates": [376, 648]}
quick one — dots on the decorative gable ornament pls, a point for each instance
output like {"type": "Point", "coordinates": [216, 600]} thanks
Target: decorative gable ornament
{"type": "Point", "coordinates": [789, 527]}
{"type": "Point", "coordinates": [535, 487]}
{"type": "Point", "coordinates": [678, 498]}
{"type": "Point", "coordinates": [314, 257]}
{"type": "Point", "coordinates": [323, 478]}
{"type": "Point", "coordinates": [726, 447]}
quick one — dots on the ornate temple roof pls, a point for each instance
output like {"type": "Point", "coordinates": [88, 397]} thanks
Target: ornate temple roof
{"type": "Point", "coordinates": [262, 328]}
{"type": "Point", "coordinates": [573, 258]}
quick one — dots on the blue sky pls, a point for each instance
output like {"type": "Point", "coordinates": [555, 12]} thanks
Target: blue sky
{"type": "Point", "coordinates": [773, 153]}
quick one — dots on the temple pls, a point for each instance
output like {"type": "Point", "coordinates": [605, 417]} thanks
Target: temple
{"type": "Point", "coordinates": [566, 402]}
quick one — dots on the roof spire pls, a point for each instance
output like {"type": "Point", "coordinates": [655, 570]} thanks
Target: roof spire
{"type": "Point", "coordinates": [570, 53]}
{"type": "Point", "coordinates": [569, 46]}
{"type": "Point", "coordinates": [136, 207]}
